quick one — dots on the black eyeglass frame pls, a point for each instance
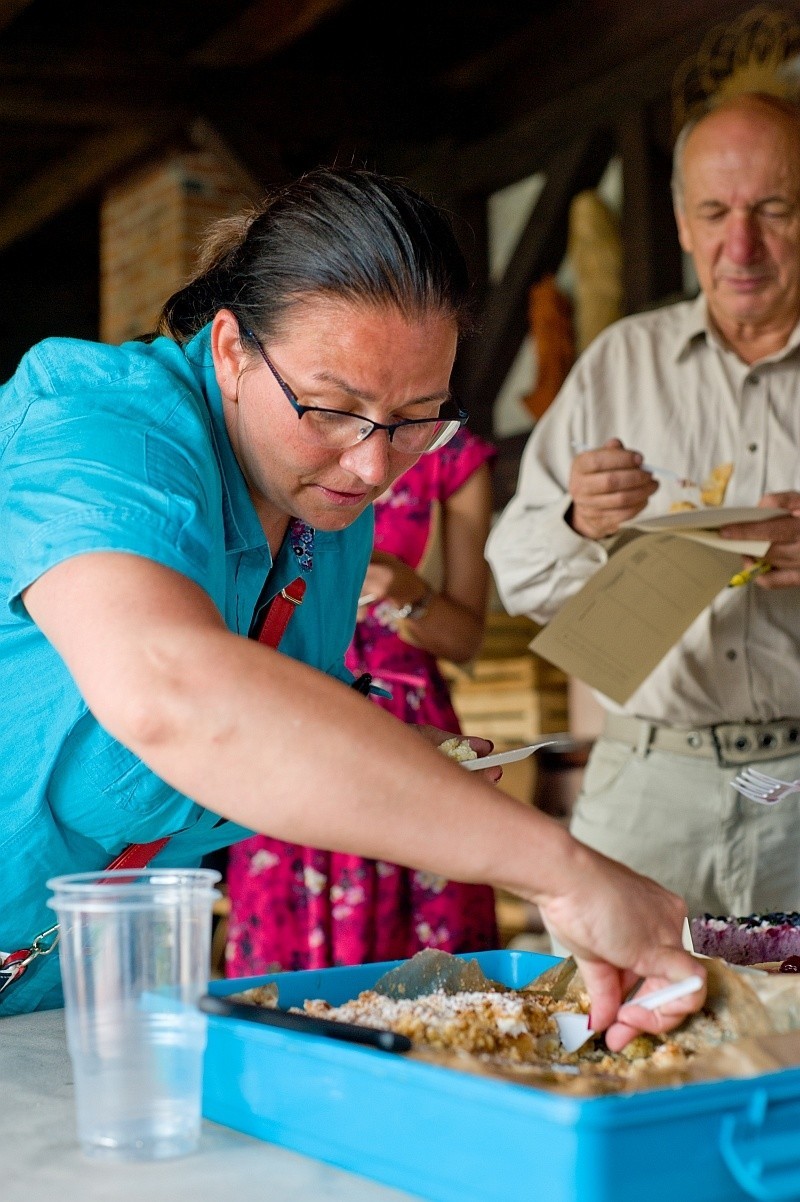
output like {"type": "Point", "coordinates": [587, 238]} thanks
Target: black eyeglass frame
{"type": "Point", "coordinates": [462, 416]}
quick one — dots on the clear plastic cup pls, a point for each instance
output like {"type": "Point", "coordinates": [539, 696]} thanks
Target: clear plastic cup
{"type": "Point", "coordinates": [135, 952]}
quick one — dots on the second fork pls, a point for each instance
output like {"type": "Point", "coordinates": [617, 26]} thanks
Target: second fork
{"type": "Point", "coordinates": [766, 790]}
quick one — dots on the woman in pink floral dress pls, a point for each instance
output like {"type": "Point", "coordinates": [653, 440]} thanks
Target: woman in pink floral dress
{"type": "Point", "coordinates": [295, 907]}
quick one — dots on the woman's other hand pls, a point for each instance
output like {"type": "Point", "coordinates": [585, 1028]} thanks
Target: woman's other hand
{"type": "Point", "coordinates": [478, 745]}
{"type": "Point", "coordinates": [390, 579]}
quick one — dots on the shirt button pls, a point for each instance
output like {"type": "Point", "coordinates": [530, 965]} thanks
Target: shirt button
{"type": "Point", "coordinates": [753, 446]}
{"type": "Point", "coordinates": [730, 653]}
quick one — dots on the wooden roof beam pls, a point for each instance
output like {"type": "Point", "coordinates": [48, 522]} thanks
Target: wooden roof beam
{"type": "Point", "coordinates": [28, 104]}
{"type": "Point", "coordinates": [261, 30]}
{"type": "Point", "coordinates": [523, 146]}
{"type": "Point", "coordinates": [10, 10]}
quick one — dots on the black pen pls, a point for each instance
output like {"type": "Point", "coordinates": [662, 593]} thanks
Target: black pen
{"type": "Point", "coordinates": [307, 1024]}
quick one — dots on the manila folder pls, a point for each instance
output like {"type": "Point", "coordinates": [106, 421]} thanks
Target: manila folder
{"type": "Point", "coordinates": [629, 614]}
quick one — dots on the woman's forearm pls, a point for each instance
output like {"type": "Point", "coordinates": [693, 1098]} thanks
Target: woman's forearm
{"type": "Point", "coordinates": [266, 741]}
{"type": "Point", "coordinates": [287, 751]}
{"type": "Point", "coordinates": [300, 756]}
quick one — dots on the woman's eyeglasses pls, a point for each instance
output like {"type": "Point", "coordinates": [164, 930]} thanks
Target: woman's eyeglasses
{"type": "Point", "coordinates": [338, 430]}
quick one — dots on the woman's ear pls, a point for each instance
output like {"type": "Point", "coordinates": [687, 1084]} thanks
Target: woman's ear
{"type": "Point", "coordinates": [228, 354]}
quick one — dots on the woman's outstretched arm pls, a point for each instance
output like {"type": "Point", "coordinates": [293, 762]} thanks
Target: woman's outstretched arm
{"type": "Point", "coordinates": [283, 749]}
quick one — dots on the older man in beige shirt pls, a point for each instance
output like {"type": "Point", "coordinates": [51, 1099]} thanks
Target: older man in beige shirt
{"type": "Point", "coordinates": [687, 387]}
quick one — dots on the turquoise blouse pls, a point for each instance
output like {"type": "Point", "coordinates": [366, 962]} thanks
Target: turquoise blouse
{"type": "Point", "coordinates": [124, 448]}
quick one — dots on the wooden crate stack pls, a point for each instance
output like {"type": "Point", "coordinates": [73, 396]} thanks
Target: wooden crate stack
{"type": "Point", "coordinates": [508, 694]}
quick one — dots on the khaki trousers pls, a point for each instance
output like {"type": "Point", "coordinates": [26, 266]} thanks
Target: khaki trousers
{"type": "Point", "coordinates": [677, 819]}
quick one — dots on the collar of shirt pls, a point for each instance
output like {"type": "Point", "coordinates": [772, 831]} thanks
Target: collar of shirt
{"type": "Point", "coordinates": [243, 530]}
{"type": "Point", "coordinates": [696, 324]}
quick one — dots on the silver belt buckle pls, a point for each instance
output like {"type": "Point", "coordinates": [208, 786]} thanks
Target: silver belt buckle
{"type": "Point", "coordinates": [750, 742]}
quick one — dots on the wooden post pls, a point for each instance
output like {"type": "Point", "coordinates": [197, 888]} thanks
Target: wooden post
{"type": "Point", "coordinates": [652, 263]}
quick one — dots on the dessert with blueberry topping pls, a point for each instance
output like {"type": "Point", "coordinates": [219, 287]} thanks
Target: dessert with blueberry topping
{"type": "Point", "coordinates": [753, 939]}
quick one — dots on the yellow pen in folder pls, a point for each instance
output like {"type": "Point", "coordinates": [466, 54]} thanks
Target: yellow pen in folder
{"type": "Point", "coordinates": [748, 574]}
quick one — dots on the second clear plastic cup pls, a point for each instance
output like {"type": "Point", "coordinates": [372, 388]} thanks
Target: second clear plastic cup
{"type": "Point", "coordinates": [135, 951]}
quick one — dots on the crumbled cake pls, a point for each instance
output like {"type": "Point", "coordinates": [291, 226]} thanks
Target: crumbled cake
{"type": "Point", "coordinates": [517, 1025]}
{"type": "Point", "coordinates": [513, 1031]}
{"type": "Point", "coordinates": [715, 485]}
{"type": "Point", "coordinates": [458, 749]}
{"type": "Point", "coordinates": [753, 939]}
{"type": "Point", "coordinates": [259, 995]}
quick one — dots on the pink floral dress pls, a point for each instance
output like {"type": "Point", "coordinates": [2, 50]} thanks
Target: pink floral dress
{"type": "Point", "coordinates": [295, 907]}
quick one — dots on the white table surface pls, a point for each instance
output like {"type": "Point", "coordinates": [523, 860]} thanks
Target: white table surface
{"type": "Point", "coordinates": [40, 1160]}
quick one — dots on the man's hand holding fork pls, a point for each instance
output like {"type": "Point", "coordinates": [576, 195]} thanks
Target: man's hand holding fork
{"type": "Point", "coordinates": [609, 485]}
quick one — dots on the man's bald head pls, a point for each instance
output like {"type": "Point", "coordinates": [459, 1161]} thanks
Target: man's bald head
{"type": "Point", "coordinates": [760, 105]}
{"type": "Point", "coordinates": [738, 214]}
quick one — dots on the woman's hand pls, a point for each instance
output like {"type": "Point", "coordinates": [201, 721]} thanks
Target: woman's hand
{"type": "Point", "coordinates": [452, 622]}
{"type": "Point", "coordinates": [622, 928]}
{"type": "Point", "coordinates": [481, 746]}
{"type": "Point", "coordinates": [390, 579]}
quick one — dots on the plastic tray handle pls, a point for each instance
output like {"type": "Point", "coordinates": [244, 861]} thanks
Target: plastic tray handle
{"type": "Point", "coordinates": [761, 1148]}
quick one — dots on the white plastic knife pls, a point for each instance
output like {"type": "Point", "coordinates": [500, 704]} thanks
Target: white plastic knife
{"type": "Point", "coordinates": [574, 1029]}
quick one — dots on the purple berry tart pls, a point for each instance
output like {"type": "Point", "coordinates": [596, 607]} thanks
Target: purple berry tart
{"type": "Point", "coordinates": [754, 939]}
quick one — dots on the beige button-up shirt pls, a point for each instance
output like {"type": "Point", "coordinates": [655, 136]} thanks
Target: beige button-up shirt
{"type": "Point", "coordinates": [665, 385]}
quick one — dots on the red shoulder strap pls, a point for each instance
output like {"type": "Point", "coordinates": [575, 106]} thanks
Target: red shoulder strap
{"type": "Point", "coordinates": [281, 608]}
{"type": "Point", "coordinates": [139, 855]}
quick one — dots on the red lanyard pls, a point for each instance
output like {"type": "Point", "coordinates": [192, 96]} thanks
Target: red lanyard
{"type": "Point", "coordinates": [138, 855]}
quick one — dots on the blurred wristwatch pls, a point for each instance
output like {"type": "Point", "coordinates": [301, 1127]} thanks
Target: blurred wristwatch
{"type": "Point", "coordinates": [416, 609]}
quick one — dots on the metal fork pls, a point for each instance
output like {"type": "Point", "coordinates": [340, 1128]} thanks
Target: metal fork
{"type": "Point", "coordinates": [766, 790]}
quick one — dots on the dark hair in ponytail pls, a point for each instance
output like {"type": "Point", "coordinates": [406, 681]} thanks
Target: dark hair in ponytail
{"type": "Point", "coordinates": [344, 233]}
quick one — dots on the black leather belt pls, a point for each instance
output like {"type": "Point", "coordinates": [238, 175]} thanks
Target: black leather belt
{"type": "Point", "coordinates": [729, 743]}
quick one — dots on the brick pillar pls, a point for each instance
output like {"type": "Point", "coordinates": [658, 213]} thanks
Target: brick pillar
{"type": "Point", "coordinates": [151, 225]}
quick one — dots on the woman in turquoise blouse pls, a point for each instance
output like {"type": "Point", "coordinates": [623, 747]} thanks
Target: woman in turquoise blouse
{"type": "Point", "coordinates": [156, 496]}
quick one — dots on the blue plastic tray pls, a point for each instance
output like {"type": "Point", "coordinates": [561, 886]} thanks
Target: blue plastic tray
{"type": "Point", "coordinates": [455, 1137]}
